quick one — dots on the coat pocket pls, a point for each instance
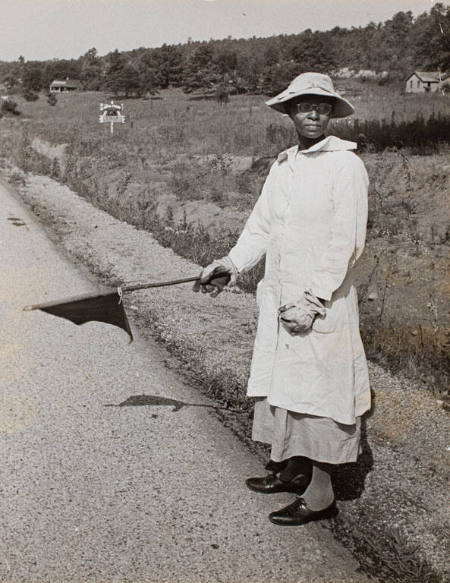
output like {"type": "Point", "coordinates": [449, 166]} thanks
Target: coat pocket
{"type": "Point", "coordinates": [341, 315]}
{"type": "Point", "coordinates": [335, 318]}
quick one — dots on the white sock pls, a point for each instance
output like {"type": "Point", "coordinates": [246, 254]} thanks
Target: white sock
{"type": "Point", "coordinates": [319, 493]}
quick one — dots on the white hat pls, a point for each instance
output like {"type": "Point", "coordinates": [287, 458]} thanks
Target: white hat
{"type": "Point", "coordinates": [312, 84]}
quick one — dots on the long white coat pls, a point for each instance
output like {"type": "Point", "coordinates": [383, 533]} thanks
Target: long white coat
{"type": "Point", "coordinates": [310, 222]}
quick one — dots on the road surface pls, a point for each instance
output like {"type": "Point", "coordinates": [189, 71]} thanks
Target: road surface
{"type": "Point", "coordinates": [139, 494]}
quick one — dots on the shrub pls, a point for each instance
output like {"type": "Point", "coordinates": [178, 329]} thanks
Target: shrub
{"type": "Point", "coordinates": [55, 171]}
{"type": "Point", "coordinates": [30, 95]}
{"type": "Point", "coordinates": [51, 99]}
{"type": "Point", "coordinates": [9, 107]}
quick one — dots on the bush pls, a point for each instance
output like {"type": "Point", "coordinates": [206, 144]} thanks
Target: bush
{"type": "Point", "coordinates": [51, 99]}
{"type": "Point", "coordinates": [9, 107]}
{"type": "Point", "coordinates": [30, 95]}
{"type": "Point", "coordinates": [55, 171]}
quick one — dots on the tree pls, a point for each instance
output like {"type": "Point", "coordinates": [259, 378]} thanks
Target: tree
{"type": "Point", "coordinates": [277, 77]}
{"type": "Point", "coordinates": [91, 75]}
{"type": "Point", "coordinates": [124, 81]}
{"type": "Point", "coordinates": [248, 73]}
{"type": "Point", "coordinates": [271, 56]}
{"type": "Point", "coordinates": [168, 64]}
{"type": "Point", "coordinates": [149, 82]}
{"type": "Point", "coordinates": [200, 72]}
{"type": "Point", "coordinates": [225, 62]}
{"type": "Point", "coordinates": [90, 56]}
{"type": "Point", "coordinates": [431, 38]}
{"type": "Point", "coordinates": [160, 68]}
{"type": "Point", "coordinates": [32, 81]}
{"type": "Point", "coordinates": [391, 41]}
{"type": "Point", "coordinates": [313, 52]}
{"type": "Point", "coordinates": [115, 66]}
{"type": "Point", "coordinates": [115, 62]}
{"type": "Point", "coordinates": [130, 82]}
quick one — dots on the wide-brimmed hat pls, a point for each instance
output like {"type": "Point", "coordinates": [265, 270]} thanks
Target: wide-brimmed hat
{"type": "Point", "coordinates": [311, 84]}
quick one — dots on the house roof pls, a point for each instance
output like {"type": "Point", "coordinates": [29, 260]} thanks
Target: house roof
{"type": "Point", "coordinates": [66, 83]}
{"type": "Point", "coordinates": [428, 76]}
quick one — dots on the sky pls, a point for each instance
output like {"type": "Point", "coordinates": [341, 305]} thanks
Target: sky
{"type": "Point", "coordinates": [63, 29]}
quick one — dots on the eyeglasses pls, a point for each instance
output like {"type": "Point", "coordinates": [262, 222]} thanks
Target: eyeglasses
{"type": "Point", "coordinates": [305, 107]}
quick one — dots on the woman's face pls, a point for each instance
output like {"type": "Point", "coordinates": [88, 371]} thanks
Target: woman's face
{"type": "Point", "coordinates": [311, 122]}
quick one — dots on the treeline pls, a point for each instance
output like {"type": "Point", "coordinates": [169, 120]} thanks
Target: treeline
{"type": "Point", "coordinates": [257, 65]}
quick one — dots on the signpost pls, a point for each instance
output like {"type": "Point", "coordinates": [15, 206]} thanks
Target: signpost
{"type": "Point", "coordinates": [111, 113]}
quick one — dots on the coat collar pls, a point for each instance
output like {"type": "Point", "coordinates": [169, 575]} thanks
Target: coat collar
{"type": "Point", "coordinates": [328, 144]}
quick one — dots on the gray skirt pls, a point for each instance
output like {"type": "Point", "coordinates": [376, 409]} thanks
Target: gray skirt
{"type": "Point", "coordinates": [295, 434]}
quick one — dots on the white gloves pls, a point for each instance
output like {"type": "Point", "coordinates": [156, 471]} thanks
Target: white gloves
{"type": "Point", "coordinates": [216, 276]}
{"type": "Point", "coordinates": [298, 317]}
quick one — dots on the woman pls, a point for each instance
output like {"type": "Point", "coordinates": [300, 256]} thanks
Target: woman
{"type": "Point", "coordinates": [309, 370]}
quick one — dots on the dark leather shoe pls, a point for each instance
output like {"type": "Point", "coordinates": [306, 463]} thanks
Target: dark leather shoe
{"type": "Point", "coordinates": [272, 484]}
{"type": "Point", "coordinates": [298, 513]}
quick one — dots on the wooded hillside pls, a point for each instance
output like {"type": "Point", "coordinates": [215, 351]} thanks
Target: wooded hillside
{"type": "Point", "coordinates": [384, 52]}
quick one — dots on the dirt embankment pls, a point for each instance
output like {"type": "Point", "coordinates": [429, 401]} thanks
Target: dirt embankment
{"type": "Point", "coordinates": [393, 510]}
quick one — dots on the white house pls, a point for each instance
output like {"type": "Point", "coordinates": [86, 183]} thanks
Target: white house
{"type": "Point", "coordinates": [65, 86]}
{"type": "Point", "coordinates": [423, 82]}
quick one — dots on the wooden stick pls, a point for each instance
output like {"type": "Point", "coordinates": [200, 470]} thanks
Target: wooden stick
{"type": "Point", "coordinates": [129, 288]}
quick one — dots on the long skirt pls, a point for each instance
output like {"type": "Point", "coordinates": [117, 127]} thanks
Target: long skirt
{"type": "Point", "coordinates": [295, 434]}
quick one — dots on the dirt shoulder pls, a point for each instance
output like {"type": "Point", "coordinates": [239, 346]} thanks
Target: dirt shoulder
{"type": "Point", "coordinates": [392, 503]}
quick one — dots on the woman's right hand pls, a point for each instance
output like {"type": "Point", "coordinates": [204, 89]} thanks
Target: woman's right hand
{"type": "Point", "coordinates": [216, 276]}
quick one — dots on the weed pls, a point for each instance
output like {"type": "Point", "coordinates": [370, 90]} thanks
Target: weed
{"type": "Point", "coordinates": [55, 171]}
{"type": "Point", "coordinates": [17, 179]}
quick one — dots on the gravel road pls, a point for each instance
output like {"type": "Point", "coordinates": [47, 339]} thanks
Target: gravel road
{"type": "Point", "coordinates": [97, 493]}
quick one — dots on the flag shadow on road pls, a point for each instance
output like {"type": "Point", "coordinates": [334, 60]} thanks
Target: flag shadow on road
{"type": "Point", "coordinates": [158, 401]}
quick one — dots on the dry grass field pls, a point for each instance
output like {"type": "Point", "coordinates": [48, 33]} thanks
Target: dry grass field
{"type": "Point", "coordinates": [189, 171]}
{"type": "Point", "coordinates": [173, 121]}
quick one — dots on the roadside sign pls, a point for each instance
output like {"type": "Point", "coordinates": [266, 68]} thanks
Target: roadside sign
{"type": "Point", "coordinates": [111, 113]}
